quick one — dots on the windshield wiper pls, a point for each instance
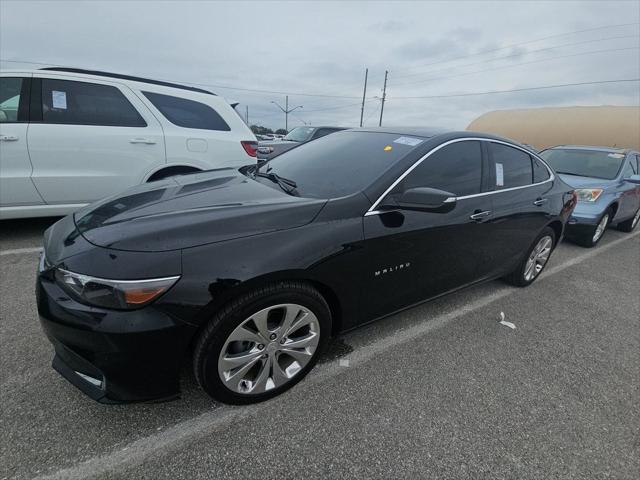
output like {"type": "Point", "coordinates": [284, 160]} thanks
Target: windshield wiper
{"type": "Point", "coordinates": [289, 186]}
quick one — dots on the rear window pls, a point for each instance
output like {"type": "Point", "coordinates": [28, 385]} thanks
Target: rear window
{"type": "Point", "coordinates": [584, 163]}
{"type": "Point", "coordinates": [187, 113]}
{"type": "Point", "coordinates": [342, 163]}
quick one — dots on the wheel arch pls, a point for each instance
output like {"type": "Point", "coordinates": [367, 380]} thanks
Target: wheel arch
{"type": "Point", "coordinates": [168, 170]}
{"type": "Point", "coordinates": [557, 228]}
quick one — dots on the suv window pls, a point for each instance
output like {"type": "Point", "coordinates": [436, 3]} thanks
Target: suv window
{"type": "Point", "coordinates": [187, 113]}
{"type": "Point", "coordinates": [456, 168]}
{"type": "Point", "coordinates": [10, 88]}
{"type": "Point", "coordinates": [629, 169]}
{"type": "Point", "coordinates": [540, 172]}
{"type": "Point", "coordinates": [83, 103]}
{"type": "Point", "coordinates": [512, 166]}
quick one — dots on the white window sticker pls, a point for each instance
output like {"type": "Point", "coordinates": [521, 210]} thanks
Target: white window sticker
{"type": "Point", "coordinates": [616, 155]}
{"type": "Point", "coordinates": [59, 99]}
{"type": "Point", "coordinates": [411, 141]}
{"type": "Point", "coordinates": [499, 175]}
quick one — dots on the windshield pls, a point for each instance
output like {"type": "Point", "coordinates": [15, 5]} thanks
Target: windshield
{"type": "Point", "coordinates": [585, 163]}
{"type": "Point", "coordinates": [299, 134]}
{"type": "Point", "coordinates": [342, 163]}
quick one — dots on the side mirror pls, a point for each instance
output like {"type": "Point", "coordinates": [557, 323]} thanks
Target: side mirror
{"type": "Point", "coordinates": [633, 179]}
{"type": "Point", "coordinates": [423, 199]}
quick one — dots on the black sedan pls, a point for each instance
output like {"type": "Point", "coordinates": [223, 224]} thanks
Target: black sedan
{"type": "Point", "coordinates": [251, 271]}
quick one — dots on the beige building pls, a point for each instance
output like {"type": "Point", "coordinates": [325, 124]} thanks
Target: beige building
{"type": "Point", "coordinates": [546, 127]}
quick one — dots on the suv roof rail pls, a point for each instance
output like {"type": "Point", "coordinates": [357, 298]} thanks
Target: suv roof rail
{"type": "Point", "coordinates": [127, 77]}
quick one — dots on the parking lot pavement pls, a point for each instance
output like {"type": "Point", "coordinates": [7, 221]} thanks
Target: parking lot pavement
{"type": "Point", "coordinates": [439, 391]}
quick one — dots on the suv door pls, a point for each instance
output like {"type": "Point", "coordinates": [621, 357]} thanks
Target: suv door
{"type": "Point", "coordinates": [416, 254]}
{"type": "Point", "coordinates": [629, 192]}
{"type": "Point", "coordinates": [522, 203]}
{"type": "Point", "coordinates": [89, 139]}
{"type": "Point", "coordinates": [16, 187]}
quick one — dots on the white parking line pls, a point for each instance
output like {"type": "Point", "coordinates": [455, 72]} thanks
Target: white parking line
{"type": "Point", "coordinates": [18, 251]}
{"type": "Point", "coordinates": [206, 423]}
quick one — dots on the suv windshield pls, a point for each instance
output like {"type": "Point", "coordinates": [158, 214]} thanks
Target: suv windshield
{"type": "Point", "coordinates": [299, 134]}
{"type": "Point", "coordinates": [585, 163]}
{"type": "Point", "coordinates": [340, 164]}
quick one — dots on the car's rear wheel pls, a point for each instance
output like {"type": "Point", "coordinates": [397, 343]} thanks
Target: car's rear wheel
{"type": "Point", "coordinates": [263, 343]}
{"type": "Point", "coordinates": [535, 260]}
{"type": "Point", "coordinates": [593, 235]}
{"type": "Point", "coordinates": [631, 224]}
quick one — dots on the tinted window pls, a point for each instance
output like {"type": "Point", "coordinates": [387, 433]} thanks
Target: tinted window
{"type": "Point", "coordinates": [9, 99]}
{"type": "Point", "coordinates": [187, 113]}
{"type": "Point", "coordinates": [628, 170]}
{"type": "Point", "coordinates": [584, 163]}
{"type": "Point", "coordinates": [512, 166]}
{"type": "Point", "coordinates": [82, 103]}
{"type": "Point", "coordinates": [638, 164]}
{"type": "Point", "coordinates": [321, 132]}
{"type": "Point", "coordinates": [540, 172]}
{"type": "Point", "coordinates": [456, 168]}
{"type": "Point", "coordinates": [339, 164]}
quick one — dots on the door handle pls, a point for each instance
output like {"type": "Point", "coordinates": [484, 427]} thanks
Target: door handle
{"type": "Point", "coordinates": [8, 138]}
{"type": "Point", "coordinates": [480, 215]}
{"type": "Point", "coordinates": [540, 201]}
{"type": "Point", "coordinates": [147, 141]}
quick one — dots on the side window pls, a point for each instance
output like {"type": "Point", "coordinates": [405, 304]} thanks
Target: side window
{"type": "Point", "coordinates": [187, 113]}
{"type": "Point", "coordinates": [83, 103]}
{"type": "Point", "coordinates": [628, 169]}
{"type": "Point", "coordinates": [512, 166]}
{"type": "Point", "coordinates": [10, 88]}
{"type": "Point", "coordinates": [456, 168]}
{"type": "Point", "coordinates": [638, 164]}
{"type": "Point", "coordinates": [540, 172]}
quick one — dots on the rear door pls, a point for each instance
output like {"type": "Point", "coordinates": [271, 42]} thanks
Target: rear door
{"type": "Point", "coordinates": [415, 254]}
{"type": "Point", "coordinates": [521, 203]}
{"type": "Point", "coordinates": [16, 187]}
{"type": "Point", "coordinates": [89, 139]}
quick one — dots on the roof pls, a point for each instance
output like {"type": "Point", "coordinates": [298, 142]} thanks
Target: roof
{"type": "Point", "coordinates": [130, 78]}
{"type": "Point", "coordinates": [426, 132]}
{"type": "Point", "coordinates": [594, 147]}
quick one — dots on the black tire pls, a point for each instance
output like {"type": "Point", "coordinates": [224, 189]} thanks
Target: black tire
{"type": "Point", "coordinates": [586, 239]}
{"type": "Point", "coordinates": [630, 225]}
{"type": "Point", "coordinates": [517, 277]}
{"type": "Point", "coordinates": [212, 339]}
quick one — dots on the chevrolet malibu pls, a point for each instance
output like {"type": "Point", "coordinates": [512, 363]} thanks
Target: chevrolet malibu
{"type": "Point", "coordinates": [246, 273]}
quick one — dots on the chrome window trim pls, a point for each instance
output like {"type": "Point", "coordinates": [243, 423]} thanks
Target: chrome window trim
{"type": "Point", "coordinates": [373, 209]}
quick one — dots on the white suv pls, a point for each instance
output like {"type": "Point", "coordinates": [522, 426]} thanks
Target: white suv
{"type": "Point", "coordinates": [69, 137]}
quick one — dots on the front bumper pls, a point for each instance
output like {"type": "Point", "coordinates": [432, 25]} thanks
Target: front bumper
{"type": "Point", "coordinates": [584, 218]}
{"type": "Point", "coordinates": [113, 356]}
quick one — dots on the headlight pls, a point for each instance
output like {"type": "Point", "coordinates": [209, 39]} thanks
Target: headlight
{"type": "Point", "coordinates": [119, 294]}
{"type": "Point", "coordinates": [588, 194]}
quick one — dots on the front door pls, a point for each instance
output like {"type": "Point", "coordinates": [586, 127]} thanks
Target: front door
{"type": "Point", "coordinates": [92, 140]}
{"type": "Point", "coordinates": [16, 187]}
{"type": "Point", "coordinates": [415, 255]}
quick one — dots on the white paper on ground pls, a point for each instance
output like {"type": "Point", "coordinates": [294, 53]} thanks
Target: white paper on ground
{"type": "Point", "coordinates": [505, 323]}
{"type": "Point", "coordinates": [344, 363]}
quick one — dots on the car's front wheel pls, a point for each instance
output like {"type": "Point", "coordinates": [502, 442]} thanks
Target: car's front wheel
{"type": "Point", "coordinates": [631, 224]}
{"type": "Point", "coordinates": [535, 260]}
{"type": "Point", "coordinates": [263, 343]}
{"type": "Point", "coordinates": [592, 236]}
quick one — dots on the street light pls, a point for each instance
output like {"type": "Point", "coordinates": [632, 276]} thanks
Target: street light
{"type": "Point", "coordinates": [286, 111]}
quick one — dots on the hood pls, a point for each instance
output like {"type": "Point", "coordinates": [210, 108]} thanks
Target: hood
{"type": "Point", "coordinates": [192, 210]}
{"type": "Point", "coordinates": [576, 181]}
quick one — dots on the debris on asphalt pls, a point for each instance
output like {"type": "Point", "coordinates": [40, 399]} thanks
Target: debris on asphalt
{"type": "Point", "coordinates": [505, 323]}
{"type": "Point", "coordinates": [344, 363]}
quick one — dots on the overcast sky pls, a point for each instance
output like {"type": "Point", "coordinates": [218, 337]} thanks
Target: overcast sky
{"type": "Point", "coordinates": [322, 48]}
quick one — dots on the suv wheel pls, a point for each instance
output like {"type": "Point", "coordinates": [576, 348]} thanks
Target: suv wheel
{"type": "Point", "coordinates": [630, 225]}
{"type": "Point", "coordinates": [594, 235]}
{"type": "Point", "coordinates": [535, 260]}
{"type": "Point", "coordinates": [263, 343]}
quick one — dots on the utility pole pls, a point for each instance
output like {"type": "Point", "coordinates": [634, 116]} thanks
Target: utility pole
{"type": "Point", "coordinates": [286, 111]}
{"type": "Point", "coordinates": [247, 115]}
{"type": "Point", "coordinates": [364, 94]}
{"type": "Point", "coordinates": [384, 96]}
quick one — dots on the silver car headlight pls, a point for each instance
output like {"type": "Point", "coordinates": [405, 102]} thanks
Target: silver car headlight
{"type": "Point", "coordinates": [588, 194]}
{"type": "Point", "coordinates": [117, 294]}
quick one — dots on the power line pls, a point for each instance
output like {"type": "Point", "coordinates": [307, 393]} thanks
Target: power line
{"type": "Point", "coordinates": [214, 85]}
{"type": "Point", "coordinates": [519, 44]}
{"type": "Point", "coordinates": [429, 79]}
{"type": "Point", "coordinates": [518, 55]}
{"type": "Point", "coordinates": [452, 95]}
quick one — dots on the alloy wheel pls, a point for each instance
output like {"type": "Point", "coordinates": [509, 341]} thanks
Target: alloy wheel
{"type": "Point", "coordinates": [269, 348]}
{"type": "Point", "coordinates": [600, 228]}
{"type": "Point", "coordinates": [635, 220]}
{"type": "Point", "coordinates": [538, 258]}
